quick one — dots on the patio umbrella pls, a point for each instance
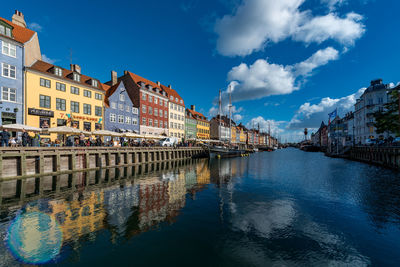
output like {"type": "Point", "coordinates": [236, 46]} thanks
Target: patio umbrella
{"type": "Point", "coordinates": [64, 130]}
{"type": "Point", "coordinates": [106, 133]}
{"type": "Point", "coordinates": [133, 135]}
{"type": "Point", "coordinates": [20, 127]}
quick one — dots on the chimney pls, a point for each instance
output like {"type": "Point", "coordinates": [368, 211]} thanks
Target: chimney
{"type": "Point", "coordinates": [193, 107]}
{"type": "Point", "coordinates": [125, 72]}
{"type": "Point", "coordinates": [169, 86]}
{"type": "Point", "coordinates": [18, 18]}
{"type": "Point", "coordinates": [114, 77]}
{"type": "Point", "coordinates": [158, 83]}
{"type": "Point", "coordinates": [76, 68]}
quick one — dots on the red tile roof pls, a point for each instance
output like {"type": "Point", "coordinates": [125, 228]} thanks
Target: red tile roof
{"type": "Point", "coordinates": [20, 34]}
{"type": "Point", "coordinates": [198, 115]}
{"type": "Point", "coordinates": [45, 67]}
{"type": "Point", "coordinates": [137, 79]}
{"type": "Point", "coordinates": [175, 95]}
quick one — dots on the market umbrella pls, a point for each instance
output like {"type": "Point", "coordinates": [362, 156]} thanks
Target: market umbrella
{"type": "Point", "coordinates": [106, 133]}
{"type": "Point", "coordinates": [154, 137]}
{"type": "Point", "coordinates": [133, 135]}
{"type": "Point", "coordinates": [20, 127]}
{"type": "Point", "coordinates": [64, 130]}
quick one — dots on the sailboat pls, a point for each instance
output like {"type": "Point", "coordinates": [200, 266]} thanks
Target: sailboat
{"type": "Point", "coordinates": [226, 150]}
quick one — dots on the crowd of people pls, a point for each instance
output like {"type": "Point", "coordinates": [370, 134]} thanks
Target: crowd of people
{"type": "Point", "coordinates": [28, 140]}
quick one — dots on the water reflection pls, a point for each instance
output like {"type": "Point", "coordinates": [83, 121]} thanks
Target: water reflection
{"type": "Point", "coordinates": [236, 211]}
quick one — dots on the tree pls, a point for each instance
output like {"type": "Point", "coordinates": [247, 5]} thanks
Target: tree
{"type": "Point", "coordinates": [388, 120]}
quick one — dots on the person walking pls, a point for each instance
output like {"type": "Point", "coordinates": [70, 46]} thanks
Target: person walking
{"type": "Point", "coordinates": [25, 138]}
{"type": "Point", "coordinates": [5, 137]}
{"type": "Point", "coordinates": [82, 140]}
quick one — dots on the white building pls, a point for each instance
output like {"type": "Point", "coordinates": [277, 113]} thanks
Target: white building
{"type": "Point", "coordinates": [373, 99]}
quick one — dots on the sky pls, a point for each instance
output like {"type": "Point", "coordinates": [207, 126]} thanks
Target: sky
{"type": "Point", "coordinates": [286, 63]}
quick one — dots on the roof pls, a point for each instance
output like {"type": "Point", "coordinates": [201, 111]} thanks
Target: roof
{"type": "Point", "coordinates": [20, 34]}
{"type": "Point", "coordinates": [197, 115]}
{"type": "Point", "coordinates": [45, 67]}
{"type": "Point", "coordinates": [109, 91]}
{"type": "Point", "coordinates": [137, 79]}
{"type": "Point", "coordinates": [172, 92]}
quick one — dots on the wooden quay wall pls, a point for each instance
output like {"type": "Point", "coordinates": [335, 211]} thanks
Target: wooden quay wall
{"type": "Point", "coordinates": [384, 156]}
{"type": "Point", "coordinates": [19, 163]}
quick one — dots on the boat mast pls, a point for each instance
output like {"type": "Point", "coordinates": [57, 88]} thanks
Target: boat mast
{"type": "Point", "coordinates": [219, 116]}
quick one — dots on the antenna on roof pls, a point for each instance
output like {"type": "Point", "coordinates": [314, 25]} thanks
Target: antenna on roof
{"type": "Point", "coordinates": [70, 56]}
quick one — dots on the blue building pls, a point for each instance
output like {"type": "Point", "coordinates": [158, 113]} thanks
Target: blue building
{"type": "Point", "coordinates": [120, 114]}
{"type": "Point", "coordinates": [19, 47]}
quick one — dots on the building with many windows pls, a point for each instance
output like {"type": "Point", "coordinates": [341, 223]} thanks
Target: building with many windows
{"type": "Point", "coordinates": [176, 113]}
{"type": "Point", "coordinates": [219, 128]}
{"type": "Point", "coordinates": [373, 99]}
{"type": "Point", "coordinates": [120, 114]}
{"type": "Point", "coordinates": [203, 125]}
{"type": "Point", "coordinates": [190, 126]}
{"type": "Point", "coordinates": [19, 46]}
{"type": "Point", "coordinates": [57, 97]}
{"type": "Point", "coordinates": [152, 101]}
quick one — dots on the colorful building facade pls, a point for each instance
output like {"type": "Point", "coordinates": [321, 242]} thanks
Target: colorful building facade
{"type": "Point", "coordinates": [203, 125]}
{"type": "Point", "coordinates": [190, 125]}
{"type": "Point", "coordinates": [176, 113]}
{"type": "Point", "coordinates": [59, 97]}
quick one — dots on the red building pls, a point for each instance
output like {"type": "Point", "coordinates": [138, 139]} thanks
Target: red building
{"type": "Point", "coordinates": [152, 100]}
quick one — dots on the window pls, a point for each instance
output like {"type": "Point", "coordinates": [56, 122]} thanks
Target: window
{"type": "Point", "coordinates": [165, 114]}
{"type": "Point", "coordinates": [380, 100]}
{"type": "Point", "coordinates": [171, 105]}
{"type": "Point", "coordinates": [150, 98]}
{"type": "Point", "coordinates": [121, 97]}
{"type": "Point", "coordinates": [150, 122]}
{"type": "Point", "coordinates": [74, 90]}
{"type": "Point", "coordinates": [171, 115]}
{"type": "Point", "coordinates": [87, 93]}
{"type": "Point", "coordinates": [181, 101]}
{"type": "Point", "coordinates": [98, 96]}
{"type": "Point", "coordinates": [143, 109]}
{"type": "Point", "coordinates": [135, 111]}
{"type": "Point", "coordinates": [94, 83]}
{"type": "Point", "coordinates": [98, 111]}
{"type": "Point", "coordinates": [87, 109]}
{"type": "Point", "coordinates": [171, 97]}
{"type": "Point", "coordinates": [61, 122]}
{"type": "Point", "coordinates": [171, 125]}
{"type": "Point", "coordinates": [8, 32]}
{"type": "Point", "coordinates": [143, 96]}
{"type": "Point", "coordinates": [9, 71]}
{"type": "Point", "coordinates": [150, 110]}
{"type": "Point", "coordinates": [60, 86]}
{"type": "Point", "coordinates": [134, 121]}
{"type": "Point", "coordinates": [165, 124]}
{"type": "Point", "coordinates": [176, 99]}
{"type": "Point", "coordinates": [121, 106]}
{"type": "Point", "coordinates": [143, 121]}
{"type": "Point", "coordinates": [165, 103]}
{"type": "Point", "coordinates": [155, 100]}
{"type": "Point", "coordinates": [120, 119]}
{"type": "Point", "coordinates": [58, 71]}
{"type": "Point", "coordinates": [175, 117]}
{"type": "Point", "coordinates": [74, 107]}
{"type": "Point", "coordinates": [155, 123]}
{"type": "Point", "coordinates": [76, 77]}
{"type": "Point", "coordinates": [127, 120]}
{"type": "Point", "coordinates": [113, 105]}
{"type": "Point", "coordinates": [155, 112]}
{"type": "Point", "coordinates": [161, 102]}
{"type": "Point", "coordinates": [112, 117]}
{"type": "Point", "coordinates": [87, 126]}
{"type": "Point", "coordinates": [9, 94]}
{"type": "Point", "coordinates": [60, 104]}
{"type": "Point", "coordinates": [44, 101]}
{"type": "Point", "coordinates": [127, 108]}
{"type": "Point", "coordinates": [45, 83]}
{"type": "Point", "coordinates": [9, 49]}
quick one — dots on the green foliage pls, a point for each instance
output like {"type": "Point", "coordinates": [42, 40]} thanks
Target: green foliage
{"type": "Point", "coordinates": [388, 120]}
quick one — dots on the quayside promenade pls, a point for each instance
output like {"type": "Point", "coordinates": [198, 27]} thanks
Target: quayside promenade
{"type": "Point", "coordinates": [25, 162]}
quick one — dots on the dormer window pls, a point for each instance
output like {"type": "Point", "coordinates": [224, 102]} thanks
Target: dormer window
{"type": "Point", "coordinates": [141, 84]}
{"type": "Point", "coordinates": [94, 83]}
{"type": "Point", "coordinates": [149, 87]}
{"type": "Point", "coordinates": [171, 97]}
{"type": "Point", "coordinates": [6, 30]}
{"type": "Point", "coordinates": [58, 71]}
{"type": "Point", "coordinates": [76, 77]}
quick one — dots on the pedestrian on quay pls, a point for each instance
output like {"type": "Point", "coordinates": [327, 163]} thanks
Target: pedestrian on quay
{"type": "Point", "coordinates": [82, 139]}
{"type": "Point", "coordinates": [25, 138]}
{"type": "Point", "coordinates": [5, 137]}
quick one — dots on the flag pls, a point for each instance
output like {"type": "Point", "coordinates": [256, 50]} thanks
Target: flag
{"type": "Point", "coordinates": [332, 114]}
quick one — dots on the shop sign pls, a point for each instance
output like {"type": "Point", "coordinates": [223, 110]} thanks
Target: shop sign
{"type": "Point", "coordinates": [8, 115]}
{"type": "Point", "coordinates": [40, 112]}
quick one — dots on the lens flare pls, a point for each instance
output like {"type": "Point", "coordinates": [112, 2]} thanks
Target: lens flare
{"type": "Point", "coordinates": [34, 237]}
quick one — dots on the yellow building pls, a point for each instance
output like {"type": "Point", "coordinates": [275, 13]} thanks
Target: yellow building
{"type": "Point", "coordinates": [233, 134]}
{"type": "Point", "coordinates": [243, 135]}
{"type": "Point", "coordinates": [203, 125]}
{"type": "Point", "coordinates": [59, 97]}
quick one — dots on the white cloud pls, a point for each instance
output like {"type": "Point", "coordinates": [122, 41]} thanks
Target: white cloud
{"type": "Point", "coordinates": [264, 79]}
{"type": "Point", "coordinates": [256, 23]}
{"type": "Point", "coordinates": [47, 59]}
{"type": "Point", "coordinates": [311, 116]}
{"type": "Point", "coordinates": [333, 4]}
{"type": "Point", "coordinates": [266, 125]}
{"type": "Point", "coordinates": [237, 118]}
{"type": "Point", "coordinates": [35, 26]}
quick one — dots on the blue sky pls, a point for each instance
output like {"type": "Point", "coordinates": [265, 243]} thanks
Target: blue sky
{"type": "Point", "coordinates": [289, 62]}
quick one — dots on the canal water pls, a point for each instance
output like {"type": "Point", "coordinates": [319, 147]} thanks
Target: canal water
{"type": "Point", "coordinates": [285, 208]}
